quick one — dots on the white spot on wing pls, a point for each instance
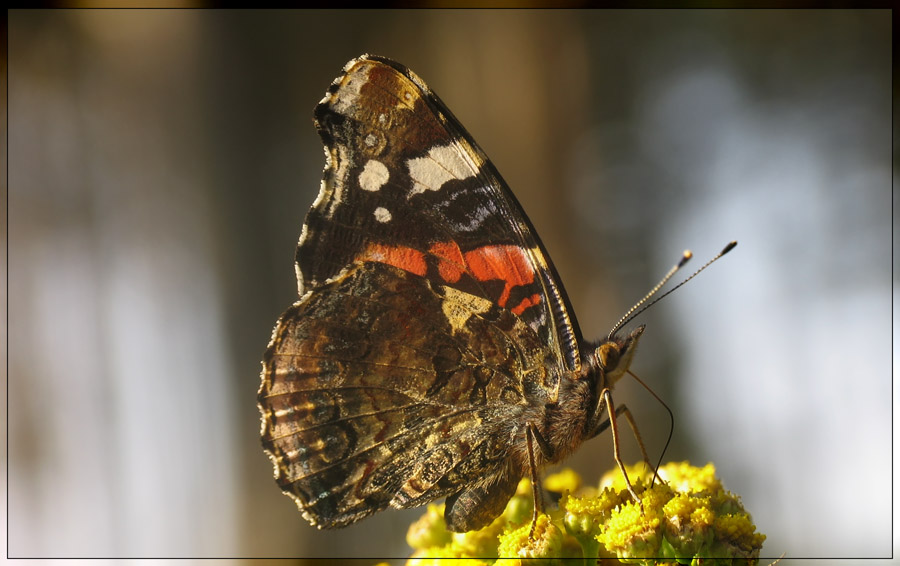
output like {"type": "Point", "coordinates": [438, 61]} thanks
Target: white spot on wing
{"type": "Point", "coordinates": [442, 164]}
{"type": "Point", "coordinates": [374, 175]}
{"type": "Point", "coordinates": [382, 214]}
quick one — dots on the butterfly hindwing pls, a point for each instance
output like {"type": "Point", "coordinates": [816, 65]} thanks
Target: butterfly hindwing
{"type": "Point", "coordinates": [371, 398]}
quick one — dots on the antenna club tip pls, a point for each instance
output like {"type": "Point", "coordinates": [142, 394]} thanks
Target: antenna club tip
{"type": "Point", "coordinates": [729, 247]}
{"type": "Point", "coordinates": [684, 258]}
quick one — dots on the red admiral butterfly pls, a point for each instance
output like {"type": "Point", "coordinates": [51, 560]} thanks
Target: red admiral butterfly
{"type": "Point", "coordinates": [433, 351]}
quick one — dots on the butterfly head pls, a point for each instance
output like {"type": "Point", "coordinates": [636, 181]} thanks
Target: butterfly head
{"type": "Point", "coordinates": [613, 356]}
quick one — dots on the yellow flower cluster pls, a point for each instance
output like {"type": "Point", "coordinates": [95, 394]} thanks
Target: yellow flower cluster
{"type": "Point", "coordinates": [686, 518]}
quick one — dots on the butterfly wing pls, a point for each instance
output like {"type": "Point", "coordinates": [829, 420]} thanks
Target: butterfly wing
{"type": "Point", "coordinates": [431, 324]}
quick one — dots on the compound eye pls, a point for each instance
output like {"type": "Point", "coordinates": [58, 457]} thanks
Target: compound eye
{"type": "Point", "coordinates": [608, 355]}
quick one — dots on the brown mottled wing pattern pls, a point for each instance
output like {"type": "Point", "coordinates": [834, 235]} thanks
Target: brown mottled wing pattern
{"type": "Point", "coordinates": [430, 324]}
{"type": "Point", "coordinates": [371, 398]}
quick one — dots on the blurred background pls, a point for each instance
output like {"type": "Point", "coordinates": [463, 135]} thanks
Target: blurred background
{"type": "Point", "coordinates": [161, 164]}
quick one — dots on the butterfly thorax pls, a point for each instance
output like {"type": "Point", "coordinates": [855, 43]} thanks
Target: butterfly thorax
{"type": "Point", "coordinates": [579, 413]}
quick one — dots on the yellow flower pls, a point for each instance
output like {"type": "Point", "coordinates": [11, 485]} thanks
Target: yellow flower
{"type": "Point", "coordinates": [684, 478]}
{"type": "Point", "coordinates": [613, 478]}
{"type": "Point", "coordinates": [546, 543]}
{"type": "Point", "coordinates": [632, 530]}
{"type": "Point", "coordinates": [566, 479]}
{"type": "Point", "coordinates": [429, 530]}
{"type": "Point", "coordinates": [686, 517]}
{"type": "Point", "coordinates": [738, 531]}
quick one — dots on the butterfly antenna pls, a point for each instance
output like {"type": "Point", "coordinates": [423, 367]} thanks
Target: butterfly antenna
{"type": "Point", "coordinates": [687, 255]}
{"type": "Point", "coordinates": [684, 259]}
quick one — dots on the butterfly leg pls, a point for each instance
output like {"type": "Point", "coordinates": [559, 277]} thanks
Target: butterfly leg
{"type": "Point", "coordinates": [622, 410]}
{"type": "Point", "coordinates": [534, 437]}
{"type": "Point", "coordinates": [606, 394]}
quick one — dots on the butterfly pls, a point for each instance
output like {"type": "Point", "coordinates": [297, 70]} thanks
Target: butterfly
{"type": "Point", "coordinates": [433, 352]}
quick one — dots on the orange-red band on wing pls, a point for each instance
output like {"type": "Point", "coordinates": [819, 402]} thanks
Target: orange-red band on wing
{"type": "Point", "coordinates": [509, 264]}
{"type": "Point", "coordinates": [525, 303]}
{"type": "Point", "coordinates": [406, 259]}
{"type": "Point", "coordinates": [452, 264]}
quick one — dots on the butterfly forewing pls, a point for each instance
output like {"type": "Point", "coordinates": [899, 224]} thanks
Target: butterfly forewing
{"type": "Point", "coordinates": [406, 184]}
